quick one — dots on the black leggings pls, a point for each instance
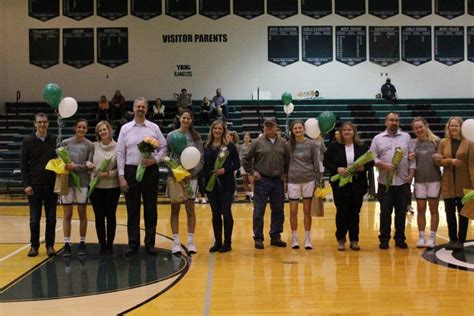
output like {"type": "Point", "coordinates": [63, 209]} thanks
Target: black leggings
{"type": "Point", "coordinates": [104, 202]}
{"type": "Point", "coordinates": [221, 203]}
{"type": "Point", "coordinates": [451, 205]}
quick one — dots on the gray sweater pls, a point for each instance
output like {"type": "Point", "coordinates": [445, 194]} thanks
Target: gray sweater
{"type": "Point", "coordinates": [304, 162]}
{"type": "Point", "coordinates": [80, 152]}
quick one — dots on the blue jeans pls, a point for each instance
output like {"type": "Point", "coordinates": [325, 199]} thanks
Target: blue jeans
{"type": "Point", "coordinates": [272, 190]}
{"type": "Point", "coordinates": [42, 194]}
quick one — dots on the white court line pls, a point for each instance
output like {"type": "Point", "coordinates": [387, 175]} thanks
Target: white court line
{"type": "Point", "coordinates": [28, 245]}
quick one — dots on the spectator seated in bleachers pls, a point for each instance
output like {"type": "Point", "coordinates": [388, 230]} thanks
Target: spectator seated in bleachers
{"type": "Point", "coordinates": [388, 90]}
{"type": "Point", "coordinates": [103, 109]}
{"type": "Point", "coordinates": [183, 99]}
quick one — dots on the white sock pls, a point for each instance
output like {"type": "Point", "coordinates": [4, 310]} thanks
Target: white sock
{"type": "Point", "coordinates": [421, 234]}
{"type": "Point", "coordinates": [83, 239]}
{"type": "Point", "coordinates": [190, 237]}
{"type": "Point", "coordinates": [307, 234]}
{"type": "Point", "coordinates": [67, 240]}
{"type": "Point", "coordinates": [294, 234]}
{"type": "Point", "coordinates": [432, 235]}
{"type": "Point", "coordinates": [176, 238]}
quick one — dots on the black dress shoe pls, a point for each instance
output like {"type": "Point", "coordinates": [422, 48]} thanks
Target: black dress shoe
{"type": "Point", "coordinates": [33, 252]}
{"type": "Point", "coordinates": [259, 244]}
{"type": "Point", "coordinates": [278, 243]}
{"type": "Point", "coordinates": [151, 251]}
{"type": "Point", "coordinates": [401, 245]}
{"type": "Point", "coordinates": [131, 252]}
{"type": "Point", "coordinates": [450, 245]}
{"type": "Point", "coordinates": [383, 245]}
{"type": "Point", "coordinates": [458, 245]}
{"type": "Point", "coordinates": [215, 248]}
{"type": "Point", "coordinates": [50, 251]}
{"type": "Point", "coordinates": [225, 248]}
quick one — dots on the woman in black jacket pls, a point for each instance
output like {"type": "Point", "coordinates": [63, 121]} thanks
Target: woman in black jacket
{"type": "Point", "coordinates": [221, 195]}
{"type": "Point", "coordinates": [348, 199]}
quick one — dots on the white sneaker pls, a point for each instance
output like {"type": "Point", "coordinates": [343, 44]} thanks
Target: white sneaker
{"type": "Point", "coordinates": [307, 244]}
{"type": "Point", "coordinates": [421, 243]}
{"type": "Point", "coordinates": [192, 248]}
{"type": "Point", "coordinates": [295, 244]}
{"type": "Point", "coordinates": [203, 200]}
{"type": "Point", "coordinates": [196, 201]}
{"type": "Point", "coordinates": [176, 248]}
{"type": "Point", "coordinates": [430, 243]}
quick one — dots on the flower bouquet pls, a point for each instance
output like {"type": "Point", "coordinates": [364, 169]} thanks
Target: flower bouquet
{"type": "Point", "coordinates": [468, 201]}
{"type": "Point", "coordinates": [362, 160]}
{"type": "Point", "coordinates": [146, 147]}
{"type": "Point", "coordinates": [179, 174]}
{"type": "Point", "coordinates": [104, 165]}
{"type": "Point", "coordinates": [221, 158]}
{"type": "Point", "coordinates": [397, 157]}
{"type": "Point", "coordinates": [64, 155]}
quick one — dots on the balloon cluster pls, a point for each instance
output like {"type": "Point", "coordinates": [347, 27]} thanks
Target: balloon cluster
{"type": "Point", "coordinates": [323, 125]}
{"type": "Point", "coordinates": [52, 94]}
{"type": "Point", "coordinates": [190, 156]}
{"type": "Point", "coordinates": [288, 107]}
{"type": "Point", "coordinates": [468, 129]}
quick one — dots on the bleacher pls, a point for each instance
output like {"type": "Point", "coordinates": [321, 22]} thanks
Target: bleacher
{"type": "Point", "coordinates": [245, 115]}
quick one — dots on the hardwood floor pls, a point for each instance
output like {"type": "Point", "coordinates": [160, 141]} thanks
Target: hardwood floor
{"type": "Point", "coordinates": [270, 281]}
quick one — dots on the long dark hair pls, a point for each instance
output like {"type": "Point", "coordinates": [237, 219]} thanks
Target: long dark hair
{"type": "Point", "coordinates": [192, 130]}
{"type": "Point", "coordinates": [292, 137]}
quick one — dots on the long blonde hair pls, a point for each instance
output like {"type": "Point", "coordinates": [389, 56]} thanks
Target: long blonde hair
{"type": "Point", "coordinates": [210, 136]}
{"type": "Point", "coordinates": [430, 136]}
{"type": "Point", "coordinates": [356, 139]}
{"type": "Point", "coordinates": [446, 129]}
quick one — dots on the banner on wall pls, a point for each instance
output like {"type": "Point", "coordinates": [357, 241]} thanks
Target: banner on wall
{"type": "Point", "coordinates": [43, 10]}
{"type": "Point", "coordinates": [249, 9]}
{"type": "Point", "coordinates": [112, 46]}
{"type": "Point", "coordinates": [470, 7]}
{"type": "Point", "coordinates": [316, 8]}
{"type": "Point", "coordinates": [112, 9]}
{"type": "Point", "coordinates": [282, 9]}
{"type": "Point", "coordinates": [214, 9]}
{"type": "Point", "coordinates": [350, 9]}
{"type": "Point", "coordinates": [449, 44]}
{"type": "Point", "coordinates": [78, 47]}
{"type": "Point", "coordinates": [180, 9]}
{"type": "Point", "coordinates": [384, 45]}
{"type": "Point", "coordinates": [316, 44]}
{"type": "Point", "coordinates": [449, 9]}
{"type": "Point", "coordinates": [416, 44]}
{"type": "Point", "coordinates": [417, 9]}
{"type": "Point", "coordinates": [44, 47]}
{"type": "Point", "coordinates": [283, 46]}
{"type": "Point", "coordinates": [145, 9]}
{"type": "Point", "coordinates": [383, 9]}
{"type": "Point", "coordinates": [78, 10]}
{"type": "Point", "coordinates": [470, 43]}
{"type": "Point", "coordinates": [351, 44]}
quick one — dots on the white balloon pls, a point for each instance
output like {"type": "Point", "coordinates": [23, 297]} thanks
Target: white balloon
{"type": "Point", "coordinates": [288, 109]}
{"type": "Point", "coordinates": [67, 107]}
{"type": "Point", "coordinates": [312, 128]}
{"type": "Point", "coordinates": [190, 157]}
{"type": "Point", "coordinates": [468, 129]}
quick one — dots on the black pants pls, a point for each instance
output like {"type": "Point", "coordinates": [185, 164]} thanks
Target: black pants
{"type": "Point", "coordinates": [451, 205]}
{"type": "Point", "coordinates": [201, 186]}
{"type": "Point", "coordinates": [348, 203]}
{"type": "Point", "coordinates": [104, 203]}
{"type": "Point", "coordinates": [148, 190]}
{"type": "Point", "coordinates": [221, 203]}
{"type": "Point", "coordinates": [396, 197]}
{"type": "Point", "coordinates": [43, 194]}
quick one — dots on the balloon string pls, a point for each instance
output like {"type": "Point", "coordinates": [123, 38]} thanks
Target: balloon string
{"type": "Point", "coordinates": [60, 128]}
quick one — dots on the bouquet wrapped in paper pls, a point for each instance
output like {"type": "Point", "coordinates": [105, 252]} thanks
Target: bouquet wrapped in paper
{"type": "Point", "coordinates": [219, 163]}
{"type": "Point", "coordinates": [468, 201]}
{"type": "Point", "coordinates": [146, 147]}
{"type": "Point", "coordinates": [362, 160]}
{"type": "Point", "coordinates": [179, 173]}
{"type": "Point", "coordinates": [468, 196]}
{"type": "Point", "coordinates": [64, 155]}
{"type": "Point", "coordinates": [104, 165]}
{"type": "Point", "coordinates": [397, 157]}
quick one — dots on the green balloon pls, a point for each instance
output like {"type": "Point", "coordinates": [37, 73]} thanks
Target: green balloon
{"type": "Point", "coordinates": [177, 142]}
{"type": "Point", "coordinates": [52, 94]}
{"type": "Point", "coordinates": [326, 122]}
{"type": "Point", "coordinates": [286, 98]}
